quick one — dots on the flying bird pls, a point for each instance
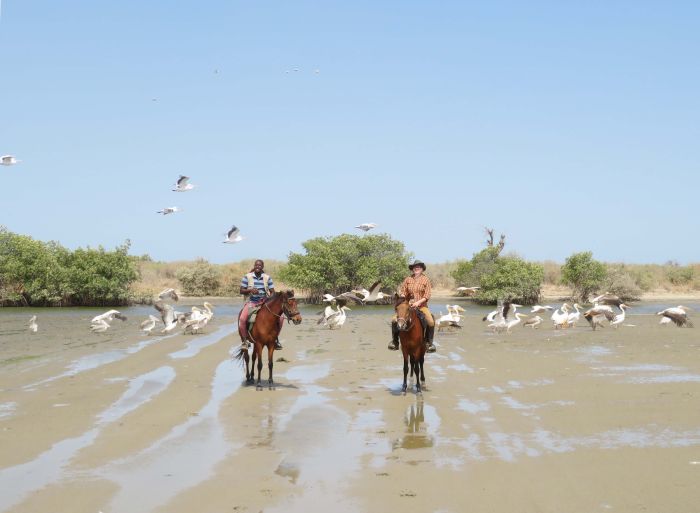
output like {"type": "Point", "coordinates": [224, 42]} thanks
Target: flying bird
{"type": "Point", "coordinates": [597, 314]}
{"type": "Point", "coordinates": [183, 184]}
{"type": "Point", "coordinates": [540, 308]}
{"type": "Point", "coordinates": [607, 299]}
{"type": "Point", "coordinates": [233, 236]}
{"type": "Point", "coordinates": [100, 323]}
{"type": "Point", "coordinates": [678, 315]}
{"type": "Point", "coordinates": [169, 294]}
{"type": "Point", "coordinates": [365, 227]}
{"type": "Point", "coordinates": [168, 210]}
{"type": "Point", "coordinates": [8, 160]}
{"type": "Point", "coordinates": [371, 295]}
{"type": "Point", "coordinates": [167, 314]}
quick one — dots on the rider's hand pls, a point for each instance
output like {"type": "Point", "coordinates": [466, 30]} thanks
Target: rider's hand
{"type": "Point", "coordinates": [252, 290]}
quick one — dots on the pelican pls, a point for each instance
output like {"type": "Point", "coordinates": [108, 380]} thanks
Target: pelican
{"type": "Point", "coordinates": [150, 323]}
{"type": "Point", "coordinates": [607, 299]}
{"type": "Point", "coordinates": [678, 315]}
{"type": "Point", "coordinates": [169, 294]}
{"type": "Point", "coordinates": [451, 319]}
{"type": "Point", "coordinates": [182, 184]}
{"type": "Point", "coordinates": [533, 323]}
{"type": "Point", "coordinates": [8, 160]}
{"type": "Point", "coordinates": [233, 236]}
{"type": "Point", "coordinates": [325, 314]}
{"type": "Point", "coordinates": [597, 314]}
{"type": "Point", "coordinates": [665, 320]}
{"type": "Point", "coordinates": [619, 318]}
{"type": "Point", "coordinates": [33, 326]}
{"type": "Point", "coordinates": [539, 308]}
{"type": "Point", "coordinates": [199, 318]}
{"type": "Point", "coordinates": [337, 319]}
{"type": "Point", "coordinates": [365, 227]}
{"type": "Point", "coordinates": [573, 317]}
{"type": "Point", "coordinates": [371, 295]}
{"type": "Point", "coordinates": [467, 291]}
{"type": "Point", "coordinates": [168, 210]}
{"type": "Point", "coordinates": [499, 317]}
{"type": "Point", "coordinates": [109, 316]}
{"type": "Point", "coordinates": [559, 318]}
{"type": "Point", "coordinates": [514, 322]}
{"type": "Point", "coordinates": [167, 314]}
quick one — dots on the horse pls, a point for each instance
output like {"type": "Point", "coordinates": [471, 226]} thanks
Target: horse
{"type": "Point", "coordinates": [412, 342]}
{"type": "Point", "coordinates": [265, 331]}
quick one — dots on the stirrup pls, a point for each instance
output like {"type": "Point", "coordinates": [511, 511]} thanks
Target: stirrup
{"type": "Point", "coordinates": [278, 345]}
{"type": "Point", "coordinates": [392, 346]}
{"type": "Point", "coordinates": [245, 344]}
{"type": "Point", "coordinates": [430, 348]}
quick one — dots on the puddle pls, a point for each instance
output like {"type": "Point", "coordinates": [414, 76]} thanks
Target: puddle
{"type": "Point", "coordinates": [7, 409]}
{"type": "Point", "coordinates": [422, 425]}
{"type": "Point", "coordinates": [669, 378]}
{"type": "Point", "coordinates": [461, 367]}
{"type": "Point", "coordinates": [193, 347]}
{"type": "Point", "coordinates": [289, 471]}
{"type": "Point", "coordinates": [473, 406]}
{"type": "Point", "coordinates": [93, 361]}
{"type": "Point", "coordinates": [514, 404]}
{"type": "Point", "coordinates": [181, 459]}
{"type": "Point", "coordinates": [306, 374]}
{"type": "Point", "coordinates": [50, 465]}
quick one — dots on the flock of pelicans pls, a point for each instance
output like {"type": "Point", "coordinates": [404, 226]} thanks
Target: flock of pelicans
{"type": "Point", "coordinates": [502, 319]}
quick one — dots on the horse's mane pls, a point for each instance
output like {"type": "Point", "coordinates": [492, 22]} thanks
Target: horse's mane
{"type": "Point", "coordinates": [287, 293]}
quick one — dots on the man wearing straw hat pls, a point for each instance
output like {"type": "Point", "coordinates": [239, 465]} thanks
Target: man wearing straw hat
{"type": "Point", "coordinates": [416, 288]}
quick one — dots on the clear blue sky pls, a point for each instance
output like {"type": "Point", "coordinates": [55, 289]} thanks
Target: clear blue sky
{"type": "Point", "coordinates": [567, 125]}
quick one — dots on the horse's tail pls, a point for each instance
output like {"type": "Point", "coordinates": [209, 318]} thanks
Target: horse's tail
{"type": "Point", "coordinates": [240, 354]}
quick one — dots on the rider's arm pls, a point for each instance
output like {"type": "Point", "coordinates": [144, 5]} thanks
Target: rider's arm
{"type": "Point", "coordinates": [244, 287]}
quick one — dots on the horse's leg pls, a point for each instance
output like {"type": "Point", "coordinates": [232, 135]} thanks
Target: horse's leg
{"type": "Point", "coordinates": [405, 370]}
{"type": "Point", "coordinates": [416, 364]}
{"type": "Point", "coordinates": [422, 374]}
{"type": "Point", "coordinates": [270, 352]}
{"type": "Point", "coordinates": [246, 358]}
{"type": "Point", "coordinates": [258, 350]}
{"type": "Point", "coordinates": [253, 359]}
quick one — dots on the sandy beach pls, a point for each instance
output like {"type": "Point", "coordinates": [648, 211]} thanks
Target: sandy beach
{"type": "Point", "coordinates": [534, 421]}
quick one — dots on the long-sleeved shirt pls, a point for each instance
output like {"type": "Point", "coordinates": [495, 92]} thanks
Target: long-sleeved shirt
{"type": "Point", "coordinates": [417, 288]}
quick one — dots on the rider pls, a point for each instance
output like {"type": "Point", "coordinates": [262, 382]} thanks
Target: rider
{"type": "Point", "coordinates": [416, 288]}
{"type": "Point", "coordinates": [258, 285]}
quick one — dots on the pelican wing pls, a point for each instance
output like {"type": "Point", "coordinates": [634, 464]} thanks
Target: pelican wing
{"type": "Point", "coordinates": [678, 319]}
{"type": "Point", "coordinates": [182, 180]}
{"type": "Point", "coordinates": [232, 233]}
{"type": "Point", "coordinates": [348, 296]}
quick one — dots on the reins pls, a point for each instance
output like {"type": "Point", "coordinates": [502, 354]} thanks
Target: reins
{"type": "Point", "coordinates": [285, 312]}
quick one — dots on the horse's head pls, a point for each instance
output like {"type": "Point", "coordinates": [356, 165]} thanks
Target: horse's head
{"type": "Point", "coordinates": [290, 307]}
{"type": "Point", "coordinates": [403, 312]}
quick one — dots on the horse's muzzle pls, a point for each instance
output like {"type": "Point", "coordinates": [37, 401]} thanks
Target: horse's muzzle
{"type": "Point", "coordinates": [296, 319]}
{"type": "Point", "coordinates": [402, 325]}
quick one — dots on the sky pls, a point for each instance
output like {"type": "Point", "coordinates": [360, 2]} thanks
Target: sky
{"type": "Point", "coordinates": [568, 126]}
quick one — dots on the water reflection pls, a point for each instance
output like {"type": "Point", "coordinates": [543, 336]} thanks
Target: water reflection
{"type": "Point", "coordinates": [418, 432]}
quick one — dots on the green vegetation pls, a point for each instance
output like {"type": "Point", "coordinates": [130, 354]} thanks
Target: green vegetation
{"type": "Point", "coordinates": [337, 264]}
{"type": "Point", "coordinates": [199, 279]}
{"type": "Point", "coordinates": [585, 275]}
{"type": "Point", "coordinates": [35, 273]}
{"type": "Point", "coordinates": [500, 277]}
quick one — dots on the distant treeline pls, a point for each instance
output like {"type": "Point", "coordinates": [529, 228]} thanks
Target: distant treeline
{"type": "Point", "coordinates": [36, 273]}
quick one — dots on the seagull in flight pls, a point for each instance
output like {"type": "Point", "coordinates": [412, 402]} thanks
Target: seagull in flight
{"type": "Point", "coordinates": [168, 210]}
{"type": "Point", "coordinates": [183, 184]}
{"type": "Point", "coordinates": [365, 227]}
{"type": "Point", "coordinates": [233, 236]}
{"type": "Point", "coordinates": [8, 160]}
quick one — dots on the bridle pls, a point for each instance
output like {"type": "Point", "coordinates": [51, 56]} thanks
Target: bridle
{"type": "Point", "coordinates": [408, 320]}
{"type": "Point", "coordinates": [285, 310]}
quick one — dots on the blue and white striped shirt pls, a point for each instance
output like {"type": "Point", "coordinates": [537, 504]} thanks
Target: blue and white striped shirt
{"type": "Point", "coordinates": [258, 284]}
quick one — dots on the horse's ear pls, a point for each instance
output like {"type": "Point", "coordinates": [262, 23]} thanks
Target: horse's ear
{"type": "Point", "coordinates": [397, 299]}
{"type": "Point", "coordinates": [290, 293]}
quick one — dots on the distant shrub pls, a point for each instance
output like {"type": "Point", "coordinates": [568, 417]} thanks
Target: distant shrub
{"type": "Point", "coordinates": [584, 274]}
{"type": "Point", "coordinates": [199, 279]}
{"type": "Point", "coordinates": [621, 282]}
{"type": "Point", "coordinates": [511, 278]}
{"type": "Point", "coordinates": [680, 275]}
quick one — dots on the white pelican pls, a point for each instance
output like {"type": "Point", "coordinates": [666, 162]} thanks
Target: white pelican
{"type": "Point", "coordinates": [150, 323]}
{"type": "Point", "coordinates": [371, 295]}
{"type": "Point", "coordinates": [539, 308]}
{"type": "Point", "coordinates": [325, 314]}
{"type": "Point", "coordinates": [607, 299]}
{"type": "Point", "coordinates": [665, 320]}
{"type": "Point", "coordinates": [467, 291]}
{"type": "Point", "coordinates": [619, 318]}
{"type": "Point", "coordinates": [365, 227]}
{"type": "Point", "coordinates": [99, 326]}
{"type": "Point", "coordinates": [169, 294]}
{"type": "Point", "coordinates": [337, 319]}
{"type": "Point", "coordinates": [448, 320]}
{"type": "Point", "coordinates": [678, 315]}
{"type": "Point", "coordinates": [534, 322]}
{"type": "Point", "coordinates": [167, 314]}
{"type": "Point", "coordinates": [33, 326]}
{"type": "Point", "coordinates": [183, 184]}
{"type": "Point", "coordinates": [168, 210]}
{"type": "Point", "coordinates": [573, 317]}
{"type": "Point", "coordinates": [597, 314]}
{"type": "Point", "coordinates": [233, 236]}
{"type": "Point", "coordinates": [8, 160]}
{"type": "Point", "coordinates": [199, 318]}
{"type": "Point", "coordinates": [559, 318]}
{"type": "Point", "coordinates": [514, 322]}
{"type": "Point", "coordinates": [499, 317]}
{"type": "Point", "coordinates": [109, 316]}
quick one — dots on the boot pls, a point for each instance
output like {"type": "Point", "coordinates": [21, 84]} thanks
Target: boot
{"type": "Point", "coordinates": [394, 344]}
{"type": "Point", "coordinates": [278, 346]}
{"type": "Point", "coordinates": [244, 344]}
{"type": "Point", "coordinates": [429, 334]}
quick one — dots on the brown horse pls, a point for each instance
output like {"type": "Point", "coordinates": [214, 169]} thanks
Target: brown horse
{"type": "Point", "coordinates": [412, 342]}
{"type": "Point", "coordinates": [266, 330]}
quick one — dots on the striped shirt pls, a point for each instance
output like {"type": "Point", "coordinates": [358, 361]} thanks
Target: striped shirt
{"type": "Point", "coordinates": [258, 284]}
{"type": "Point", "coordinates": [416, 288]}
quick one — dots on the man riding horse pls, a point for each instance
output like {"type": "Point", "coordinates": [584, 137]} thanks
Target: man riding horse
{"type": "Point", "coordinates": [259, 286]}
{"type": "Point", "coordinates": [417, 289]}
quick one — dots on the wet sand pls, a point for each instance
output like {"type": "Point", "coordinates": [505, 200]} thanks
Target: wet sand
{"type": "Point", "coordinates": [535, 421]}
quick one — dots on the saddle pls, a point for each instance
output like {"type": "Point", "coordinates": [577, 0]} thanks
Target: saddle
{"type": "Point", "coordinates": [252, 315]}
